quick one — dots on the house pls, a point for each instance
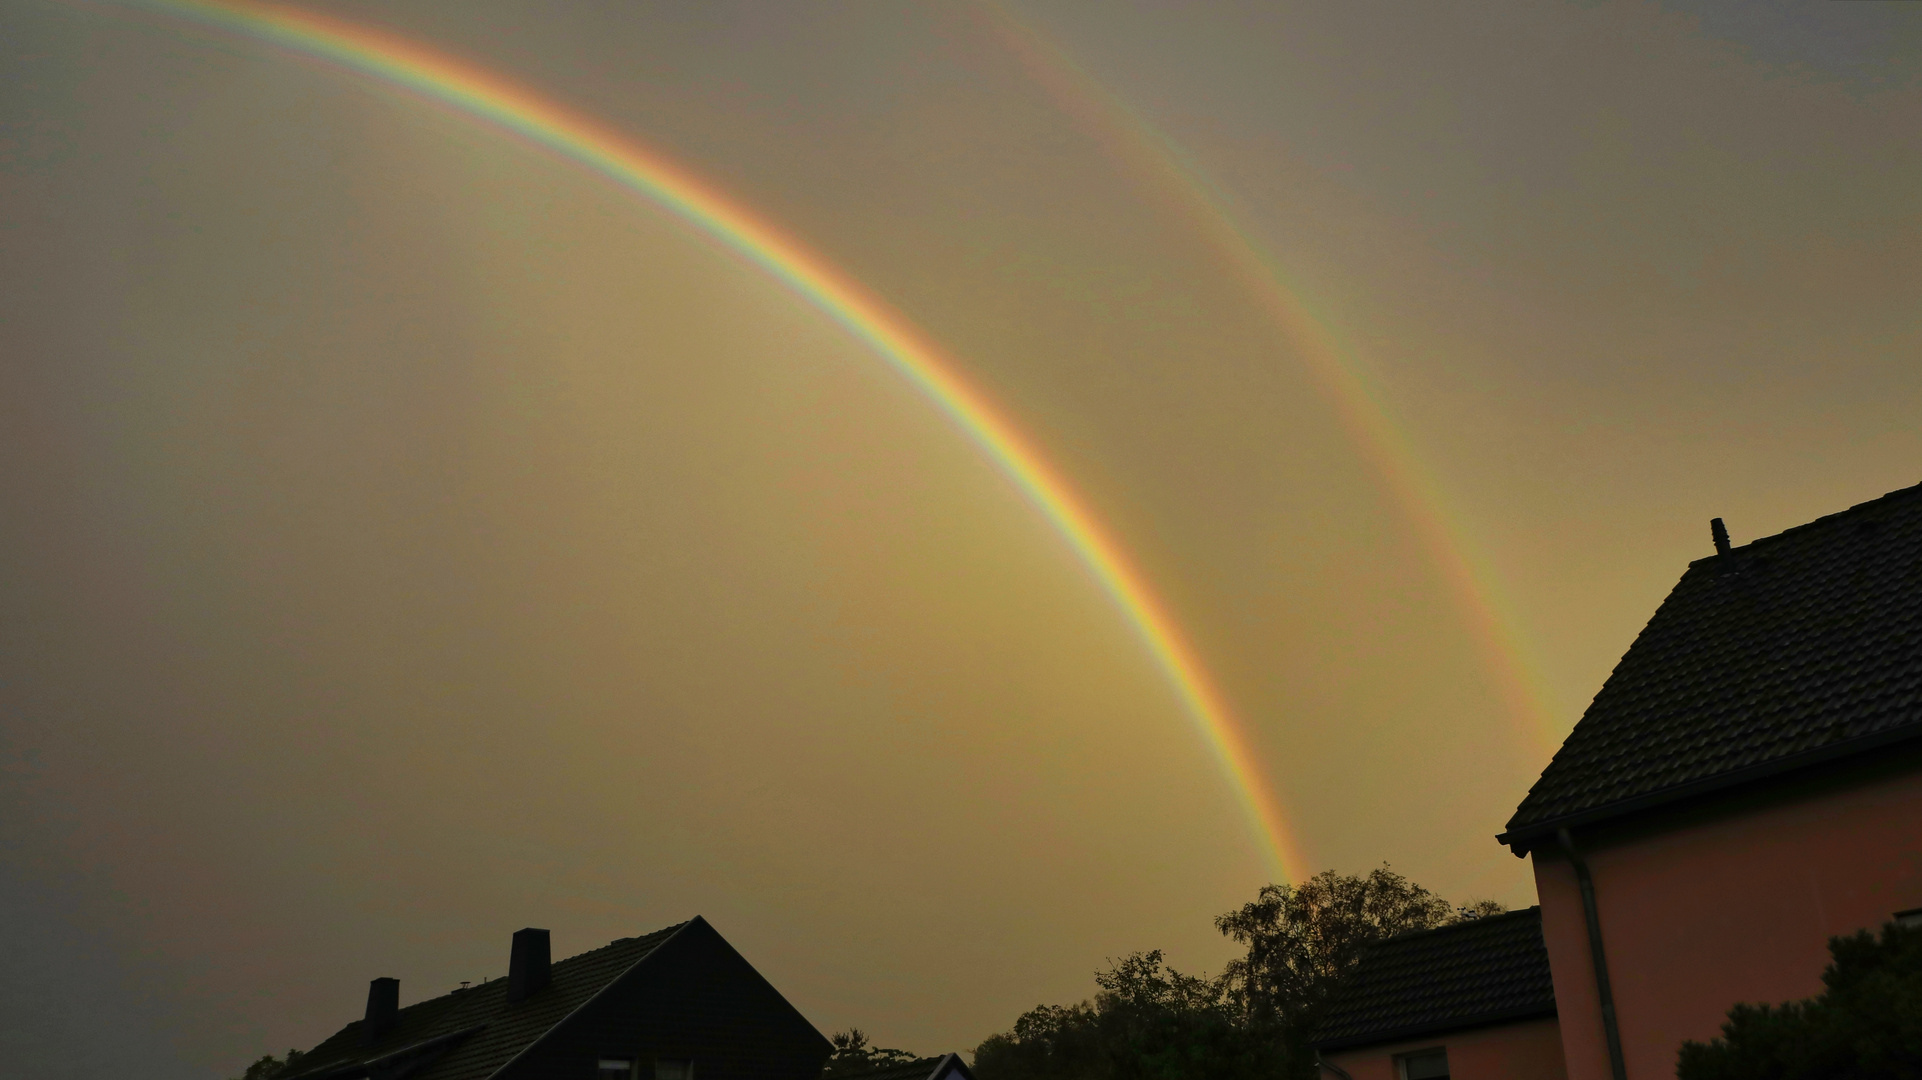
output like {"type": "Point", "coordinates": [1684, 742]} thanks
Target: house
{"type": "Point", "coordinates": [671, 1005]}
{"type": "Point", "coordinates": [1475, 999]}
{"type": "Point", "coordinates": [1747, 783]}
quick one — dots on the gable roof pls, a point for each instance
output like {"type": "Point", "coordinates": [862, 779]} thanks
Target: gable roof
{"type": "Point", "coordinates": [1488, 971]}
{"type": "Point", "coordinates": [1791, 651]}
{"type": "Point", "coordinates": [474, 1031]}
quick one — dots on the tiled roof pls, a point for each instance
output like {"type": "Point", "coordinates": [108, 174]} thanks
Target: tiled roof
{"type": "Point", "coordinates": [1797, 648]}
{"type": "Point", "coordinates": [1485, 971]}
{"type": "Point", "coordinates": [485, 1030]}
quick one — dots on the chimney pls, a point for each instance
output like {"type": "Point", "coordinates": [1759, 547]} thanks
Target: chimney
{"type": "Point", "coordinates": [383, 1008]}
{"type": "Point", "coordinates": [527, 965]}
{"type": "Point", "coordinates": [1720, 532]}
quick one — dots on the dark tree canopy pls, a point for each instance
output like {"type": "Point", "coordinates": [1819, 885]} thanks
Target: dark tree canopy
{"type": "Point", "coordinates": [1303, 939]}
{"type": "Point", "coordinates": [270, 1066]}
{"type": "Point", "coordinates": [1866, 1024]}
{"type": "Point", "coordinates": [853, 1054]}
{"type": "Point", "coordinates": [1150, 1022]}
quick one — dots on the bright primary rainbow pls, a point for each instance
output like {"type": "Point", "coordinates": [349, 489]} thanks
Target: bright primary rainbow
{"type": "Point", "coordinates": [623, 159]}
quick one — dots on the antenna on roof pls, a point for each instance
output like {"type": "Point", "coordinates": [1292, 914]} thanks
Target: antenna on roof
{"type": "Point", "coordinates": [1720, 532]}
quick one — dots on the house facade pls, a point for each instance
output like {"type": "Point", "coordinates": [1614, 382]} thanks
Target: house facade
{"type": "Point", "coordinates": [1747, 784]}
{"type": "Point", "coordinates": [671, 1005]}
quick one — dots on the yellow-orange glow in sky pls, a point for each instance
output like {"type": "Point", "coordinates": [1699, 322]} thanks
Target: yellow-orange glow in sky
{"type": "Point", "coordinates": [407, 535]}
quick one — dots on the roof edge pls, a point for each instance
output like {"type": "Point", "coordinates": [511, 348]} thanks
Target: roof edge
{"type": "Point", "coordinates": [955, 1064]}
{"type": "Point", "coordinates": [358, 1068]}
{"type": "Point", "coordinates": [1523, 839]}
{"type": "Point", "coordinates": [592, 998]}
{"type": "Point", "coordinates": [1464, 925]}
{"type": "Point", "coordinates": [1865, 505]}
{"type": "Point", "coordinates": [1437, 1027]}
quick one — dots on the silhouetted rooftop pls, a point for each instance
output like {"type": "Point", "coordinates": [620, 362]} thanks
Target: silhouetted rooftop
{"type": "Point", "coordinates": [1791, 651]}
{"type": "Point", "coordinates": [484, 1028]}
{"type": "Point", "coordinates": [1487, 971]}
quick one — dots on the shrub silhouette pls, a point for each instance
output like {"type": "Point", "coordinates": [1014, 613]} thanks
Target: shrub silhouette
{"type": "Point", "coordinates": [1866, 1024]}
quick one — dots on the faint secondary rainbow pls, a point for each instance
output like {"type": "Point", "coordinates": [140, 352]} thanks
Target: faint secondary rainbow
{"type": "Point", "coordinates": [619, 157]}
{"type": "Point", "coordinates": [1443, 535]}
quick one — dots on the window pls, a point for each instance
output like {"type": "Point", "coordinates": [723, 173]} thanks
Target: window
{"type": "Point", "coordinates": [1911, 917]}
{"type": "Point", "coordinates": [615, 1069]}
{"type": "Point", "coordinates": [671, 1069]}
{"type": "Point", "coordinates": [1424, 1065]}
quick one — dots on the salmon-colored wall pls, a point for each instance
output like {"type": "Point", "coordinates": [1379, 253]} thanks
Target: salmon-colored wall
{"type": "Point", "coordinates": [1705, 915]}
{"type": "Point", "coordinates": [1530, 1050]}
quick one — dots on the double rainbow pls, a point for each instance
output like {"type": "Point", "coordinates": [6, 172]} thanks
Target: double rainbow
{"type": "Point", "coordinates": [468, 89]}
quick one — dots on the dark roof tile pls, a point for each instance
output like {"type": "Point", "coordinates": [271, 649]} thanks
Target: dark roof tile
{"type": "Point", "coordinates": [1430, 981]}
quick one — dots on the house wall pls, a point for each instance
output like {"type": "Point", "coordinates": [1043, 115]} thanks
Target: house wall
{"type": "Point", "coordinates": [1735, 908]}
{"type": "Point", "coordinates": [1530, 1050]}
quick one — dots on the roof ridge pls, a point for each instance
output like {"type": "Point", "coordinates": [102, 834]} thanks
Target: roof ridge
{"type": "Point", "coordinates": [486, 1005]}
{"type": "Point", "coordinates": [1462, 924]}
{"type": "Point", "coordinates": [1826, 519]}
{"type": "Point", "coordinates": [491, 983]}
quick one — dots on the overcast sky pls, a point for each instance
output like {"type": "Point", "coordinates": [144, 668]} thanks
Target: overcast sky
{"type": "Point", "coordinates": [407, 536]}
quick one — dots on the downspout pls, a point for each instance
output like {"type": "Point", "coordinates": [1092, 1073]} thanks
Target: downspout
{"type": "Point", "coordinates": [1610, 1027]}
{"type": "Point", "coordinates": [1331, 1067]}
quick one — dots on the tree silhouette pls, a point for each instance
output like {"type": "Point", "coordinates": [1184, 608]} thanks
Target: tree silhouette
{"type": "Point", "coordinates": [852, 1054]}
{"type": "Point", "coordinates": [1150, 1022]}
{"type": "Point", "coordinates": [270, 1066]}
{"type": "Point", "coordinates": [1866, 1024]}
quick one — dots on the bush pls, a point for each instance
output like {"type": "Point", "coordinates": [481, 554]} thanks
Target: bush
{"type": "Point", "coordinates": [1866, 1024]}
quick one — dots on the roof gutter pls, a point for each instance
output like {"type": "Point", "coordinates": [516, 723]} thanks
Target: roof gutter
{"type": "Point", "coordinates": [1436, 1027]}
{"type": "Point", "coordinates": [1331, 1067]}
{"type": "Point", "coordinates": [1610, 1029]}
{"type": "Point", "coordinates": [1521, 840]}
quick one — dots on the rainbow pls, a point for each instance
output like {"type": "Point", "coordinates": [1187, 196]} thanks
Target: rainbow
{"type": "Point", "coordinates": [476, 92]}
{"type": "Point", "coordinates": [1492, 620]}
